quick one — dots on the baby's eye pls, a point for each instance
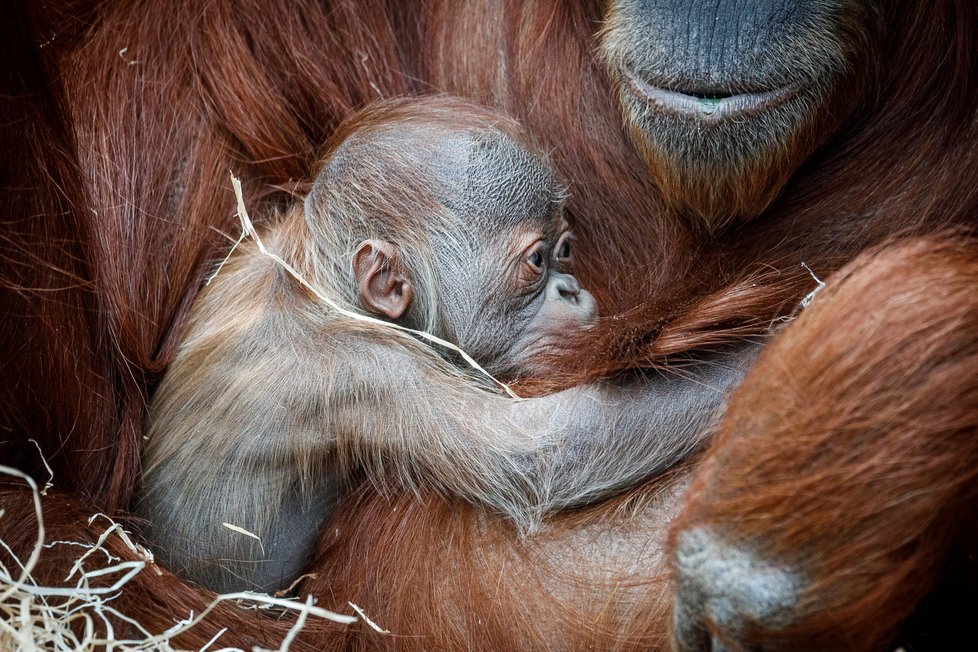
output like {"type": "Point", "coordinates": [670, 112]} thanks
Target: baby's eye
{"type": "Point", "coordinates": [562, 252]}
{"type": "Point", "coordinates": [536, 260]}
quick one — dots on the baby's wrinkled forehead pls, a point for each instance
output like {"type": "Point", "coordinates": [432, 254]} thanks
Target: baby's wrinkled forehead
{"type": "Point", "coordinates": [484, 175]}
{"type": "Point", "coordinates": [487, 176]}
{"type": "Point", "coordinates": [506, 183]}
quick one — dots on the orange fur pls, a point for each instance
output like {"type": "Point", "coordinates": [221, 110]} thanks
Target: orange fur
{"type": "Point", "coordinates": [120, 122]}
{"type": "Point", "coordinates": [872, 394]}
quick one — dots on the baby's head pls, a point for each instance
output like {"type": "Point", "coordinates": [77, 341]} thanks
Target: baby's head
{"type": "Point", "coordinates": [441, 215]}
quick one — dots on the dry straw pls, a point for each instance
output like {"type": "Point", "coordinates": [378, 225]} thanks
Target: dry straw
{"type": "Point", "coordinates": [79, 617]}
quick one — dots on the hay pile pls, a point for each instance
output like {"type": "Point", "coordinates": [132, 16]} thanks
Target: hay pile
{"type": "Point", "coordinates": [79, 616]}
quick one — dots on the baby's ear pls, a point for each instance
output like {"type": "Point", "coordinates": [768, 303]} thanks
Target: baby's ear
{"type": "Point", "coordinates": [382, 280]}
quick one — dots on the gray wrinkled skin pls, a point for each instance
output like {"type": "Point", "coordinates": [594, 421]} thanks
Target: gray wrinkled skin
{"type": "Point", "coordinates": [729, 587]}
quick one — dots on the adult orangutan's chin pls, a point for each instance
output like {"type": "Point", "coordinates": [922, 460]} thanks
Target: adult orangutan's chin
{"type": "Point", "coordinates": [722, 130]}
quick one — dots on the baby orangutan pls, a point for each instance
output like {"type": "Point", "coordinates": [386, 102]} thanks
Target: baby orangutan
{"type": "Point", "coordinates": [438, 216]}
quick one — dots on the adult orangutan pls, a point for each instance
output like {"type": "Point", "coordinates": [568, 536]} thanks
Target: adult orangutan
{"type": "Point", "coordinates": [711, 149]}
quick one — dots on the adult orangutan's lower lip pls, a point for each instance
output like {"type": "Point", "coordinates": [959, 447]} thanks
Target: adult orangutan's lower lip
{"type": "Point", "coordinates": [708, 108]}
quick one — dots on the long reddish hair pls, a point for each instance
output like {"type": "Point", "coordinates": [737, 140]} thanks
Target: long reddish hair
{"type": "Point", "coordinates": [136, 117]}
{"type": "Point", "coordinates": [121, 122]}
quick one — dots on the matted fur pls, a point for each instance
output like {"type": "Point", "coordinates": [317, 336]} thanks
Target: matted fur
{"type": "Point", "coordinates": [877, 393]}
{"type": "Point", "coordinates": [120, 122]}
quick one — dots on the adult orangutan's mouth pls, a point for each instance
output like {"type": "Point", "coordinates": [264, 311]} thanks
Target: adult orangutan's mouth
{"type": "Point", "coordinates": [709, 105]}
